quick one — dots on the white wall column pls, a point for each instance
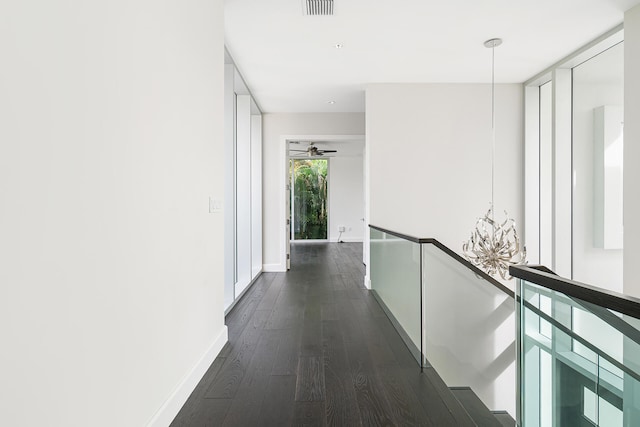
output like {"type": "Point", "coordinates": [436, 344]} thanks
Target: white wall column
{"type": "Point", "coordinates": [531, 236]}
{"type": "Point", "coordinates": [562, 171]}
{"type": "Point", "coordinates": [631, 210]}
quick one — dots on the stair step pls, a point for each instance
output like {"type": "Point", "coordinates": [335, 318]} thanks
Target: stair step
{"type": "Point", "coordinates": [477, 410]}
{"type": "Point", "coordinates": [456, 409]}
{"type": "Point", "coordinates": [504, 418]}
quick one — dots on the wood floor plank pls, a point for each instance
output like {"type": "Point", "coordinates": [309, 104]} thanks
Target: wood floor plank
{"type": "Point", "coordinates": [230, 375]}
{"type": "Point", "coordinates": [328, 311]}
{"type": "Point", "coordinates": [310, 380]}
{"type": "Point", "coordinates": [406, 408]}
{"type": "Point", "coordinates": [278, 410]}
{"type": "Point", "coordinates": [311, 339]}
{"type": "Point", "coordinates": [271, 295]}
{"type": "Point", "coordinates": [288, 352]}
{"type": "Point", "coordinates": [245, 408]}
{"type": "Point", "coordinates": [341, 405]}
{"type": "Point", "coordinates": [375, 409]}
{"type": "Point", "coordinates": [308, 414]}
{"type": "Point", "coordinates": [206, 413]}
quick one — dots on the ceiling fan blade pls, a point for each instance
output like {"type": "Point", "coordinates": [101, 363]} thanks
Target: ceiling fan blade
{"type": "Point", "coordinates": [329, 151]}
{"type": "Point", "coordinates": [302, 151]}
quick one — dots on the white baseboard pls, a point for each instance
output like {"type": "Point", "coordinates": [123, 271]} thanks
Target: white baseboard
{"type": "Point", "coordinates": [347, 239]}
{"type": "Point", "coordinates": [273, 268]}
{"type": "Point", "coordinates": [176, 400]}
{"type": "Point", "coordinates": [367, 282]}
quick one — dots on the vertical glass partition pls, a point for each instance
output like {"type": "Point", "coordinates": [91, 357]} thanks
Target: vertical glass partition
{"type": "Point", "coordinates": [598, 95]}
{"type": "Point", "coordinates": [579, 362]}
{"type": "Point", "coordinates": [395, 281]}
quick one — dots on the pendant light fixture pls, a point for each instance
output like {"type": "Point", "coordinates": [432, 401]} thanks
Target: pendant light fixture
{"type": "Point", "coordinates": [494, 246]}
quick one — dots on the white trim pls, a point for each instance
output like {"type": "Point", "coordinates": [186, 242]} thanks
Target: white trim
{"type": "Point", "coordinates": [348, 240]}
{"type": "Point", "coordinates": [274, 268]}
{"type": "Point", "coordinates": [170, 408]}
{"type": "Point", "coordinates": [367, 282]}
{"type": "Point", "coordinates": [591, 49]}
{"type": "Point", "coordinates": [532, 173]}
{"type": "Point", "coordinates": [562, 164]}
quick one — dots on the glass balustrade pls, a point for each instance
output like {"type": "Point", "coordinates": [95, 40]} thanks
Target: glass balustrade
{"type": "Point", "coordinates": [395, 281]}
{"type": "Point", "coordinates": [452, 317]}
{"type": "Point", "coordinates": [559, 354]}
{"type": "Point", "coordinates": [579, 362]}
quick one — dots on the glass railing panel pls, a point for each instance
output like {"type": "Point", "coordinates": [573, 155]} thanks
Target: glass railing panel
{"type": "Point", "coordinates": [585, 372]}
{"type": "Point", "coordinates": [395, 280]}
{"type": "Point", "coordinates": [469, 330]}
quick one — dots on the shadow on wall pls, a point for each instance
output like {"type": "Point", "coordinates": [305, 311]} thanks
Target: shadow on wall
{"type": "Point", "coordinates": [470, 330]}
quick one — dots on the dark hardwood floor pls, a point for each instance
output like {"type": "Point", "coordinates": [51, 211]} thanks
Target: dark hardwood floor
{"type": "Point", "coordinates": [312, 347]}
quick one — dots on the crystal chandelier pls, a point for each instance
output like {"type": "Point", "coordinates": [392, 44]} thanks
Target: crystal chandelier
{"type": "Point", "coordinates": [494, 246]}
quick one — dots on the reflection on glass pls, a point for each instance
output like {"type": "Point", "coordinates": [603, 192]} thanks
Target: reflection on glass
{"type": "Point", "coordinates": [581, 374]}
{"type": "Point", "coordinates": [598, 91]}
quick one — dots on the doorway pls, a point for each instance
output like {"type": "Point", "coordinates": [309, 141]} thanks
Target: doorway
{"type": "Point", "coordinates": [309, 199]}
{"type": "Point", "coordinates": [345, 188]}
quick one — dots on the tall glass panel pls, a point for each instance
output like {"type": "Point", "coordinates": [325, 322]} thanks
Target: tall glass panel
{"type": "Point", "coordinates": [309, 205]}
{"type": "Point", "coordinates": [395, 280]}
{"type": "Point", "coordinates": [575, 375]}
{"type": "Point", "coordinates": [598, 90]}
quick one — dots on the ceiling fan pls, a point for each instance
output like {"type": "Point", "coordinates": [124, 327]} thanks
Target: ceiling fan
{"type": "Point", "coordinates": [311, 151]}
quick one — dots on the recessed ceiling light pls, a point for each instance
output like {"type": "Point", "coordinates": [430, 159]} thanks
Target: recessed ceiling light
{"type": "Point", "coordinates": [339, 46]}
{"type": "Point", "coordinates": [331, 102]}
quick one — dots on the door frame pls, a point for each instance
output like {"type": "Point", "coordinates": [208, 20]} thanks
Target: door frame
{"type": "Point", "coordinates": [283, 148]}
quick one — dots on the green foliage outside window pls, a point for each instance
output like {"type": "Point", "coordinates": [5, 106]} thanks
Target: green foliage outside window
{"type": "Point", "coordinates": [310, 199]}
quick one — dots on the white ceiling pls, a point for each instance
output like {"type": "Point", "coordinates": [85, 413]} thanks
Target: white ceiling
{"type": "Point", "coordinates": [290, 63]}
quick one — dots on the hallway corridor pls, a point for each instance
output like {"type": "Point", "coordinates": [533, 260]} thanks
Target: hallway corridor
{"type": "Point", "coordinates": [312, 347]}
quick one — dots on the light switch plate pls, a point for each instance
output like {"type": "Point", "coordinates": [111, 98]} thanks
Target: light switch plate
{"type": "Point", "coordinates": [215, 205]}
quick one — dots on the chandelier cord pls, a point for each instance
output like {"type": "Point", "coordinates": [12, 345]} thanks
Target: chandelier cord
{"type": "Point", "coordinates": [493, 127]}
{"type": "Point", "coordinates": [493, 247]}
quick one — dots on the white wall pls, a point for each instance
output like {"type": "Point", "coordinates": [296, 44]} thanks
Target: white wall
{"type": "Point", "coordinates": [276, 128]}
{"type": "Point", "coordinates": [110, 264]}
{"type": "Point", "coordinates": [429, 148]}
{"type": "Point", "coordinates": [631, 150]}
{"type": "Point", "coordinates": [346, 198]}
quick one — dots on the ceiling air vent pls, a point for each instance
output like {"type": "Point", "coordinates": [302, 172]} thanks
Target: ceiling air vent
{"type": "Point", "coordinates": [318, 7]}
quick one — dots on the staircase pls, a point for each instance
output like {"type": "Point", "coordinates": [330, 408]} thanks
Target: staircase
{"type": "Point", "coordinates": [478, 412]}
{"type": "Point", "coordinates": [465, 406]}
